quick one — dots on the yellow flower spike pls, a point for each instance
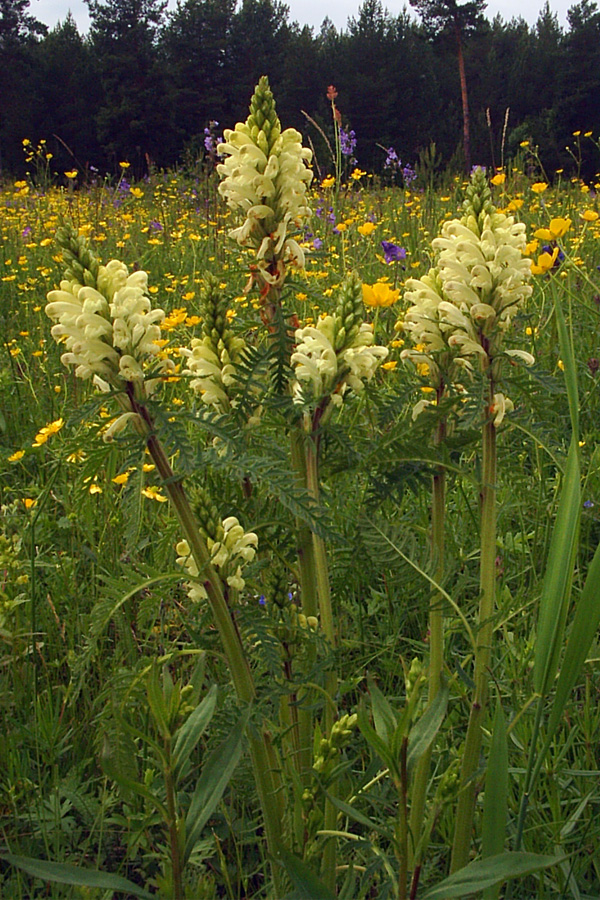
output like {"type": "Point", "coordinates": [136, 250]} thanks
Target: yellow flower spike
{"type": "Point", "coordinates": [539, 187]}
{"type": "Point", "coordinates": [379, 294]}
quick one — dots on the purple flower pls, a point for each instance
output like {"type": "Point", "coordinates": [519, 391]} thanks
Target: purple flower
{"type": "Point", "coordinates": [393, 252]}
{"type": "Point", "coordinates": [156, 226]}
{"type": "Point", "coordinates": [26, 231]}
{"type": "Point", "coordinates": [347, 142]}
{"type": "Point", "coordinates": [408, 174]}
{"type": "Point", "coordinates": [588, 504]}
{"type": "Point", "coordinates": [317, 243]}
{"type": "Point", "coordinates": [392, 160]}
{"type": "Point", "coordinates": [262, 601]}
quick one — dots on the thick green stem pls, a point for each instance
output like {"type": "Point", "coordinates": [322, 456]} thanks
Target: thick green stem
{"type": "Point", "coordinates": [176, 867]}
{"type": "Point", "coordinates": [328, 862]}
{"type": "Point", "coordinates": [268, 791]}
{"type": "Point", "coordinates": [436, 652]}
{"type": "Point", "coordinates": [470, 762]}
{"type": "Point", "coordinates": [310, 607]}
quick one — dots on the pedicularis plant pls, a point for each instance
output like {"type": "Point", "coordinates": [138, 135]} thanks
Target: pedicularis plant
{"type": "Point", "coordinates": [264, 403]}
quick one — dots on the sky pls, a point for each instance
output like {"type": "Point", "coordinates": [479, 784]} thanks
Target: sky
{"type": "Point", "coordinates": [312, 12]}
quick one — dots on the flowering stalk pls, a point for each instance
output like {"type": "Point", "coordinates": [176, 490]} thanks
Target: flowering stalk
{"type": "Point", "coordinates": [265, 176]}
{"type": "Point", "coordinates": [462, 310]}
{"type": "Point", "coordinates": [103, 316]}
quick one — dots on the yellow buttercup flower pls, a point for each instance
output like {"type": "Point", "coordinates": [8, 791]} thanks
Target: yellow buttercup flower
{"type": "Point", "coordinates": [557, 228]}
{"type": "Point", "coordinates": [545, 262]}
{"type": "Point", "coordinates": [136, 192]}
{"type": "Point", "coordinates": [357, 174]}
{"type": "Point", "coordinates": [328, 181]}
{"type": "Point", "coordinates": [498, 179]}
{"type": "Point", "coordinates": [15, 457]}
{"type": "Point", "coordinates": [71, 174]}
{"type": "Point", "coordinates": [379, 294]}
{"type": "Point", "coordinates": [589, 215]}
{"type": "Point", "coordinates": [539, 187]}
{"type": "Point", "coordinates": [366, 229]}
{"type": "Point", "coordinates": [47, 431]}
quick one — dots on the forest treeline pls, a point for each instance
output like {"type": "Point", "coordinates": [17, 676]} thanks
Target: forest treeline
{"type": "Point", "coordinates": [145, 83]}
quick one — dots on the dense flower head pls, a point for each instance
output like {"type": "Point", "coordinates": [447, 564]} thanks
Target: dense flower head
{"type": "Point", "coordinates": [265, 176]}
{"type": "Point", "coordinates": [463, 306]}
{"type": "Point", "coordinates": [337, 354]}
{"type": "Point", "coordinates": [212, 359]}
{"type": "Point", "coordinates": [229, 553]}
{"type": "Point", "coordinates": [110, 331]}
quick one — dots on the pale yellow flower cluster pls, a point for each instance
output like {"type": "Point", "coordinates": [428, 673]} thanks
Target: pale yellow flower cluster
{"type": "Point", "coordinates": [110, 331]}
{"type": "Point", "coordinates": [462, 308]}
{"type": "Point", "coordinates": [320, 371]}
{"type": "Point", "coordinates": [228, 555]}
{"type": "Point", "coordinates": [265, 176]}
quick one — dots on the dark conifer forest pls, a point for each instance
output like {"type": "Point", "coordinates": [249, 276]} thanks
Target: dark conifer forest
{"type": "Point", "coordinates": [145, 83]}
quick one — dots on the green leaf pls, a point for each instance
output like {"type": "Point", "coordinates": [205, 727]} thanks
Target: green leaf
{"type": "Point", "coordinates": [359, 817]}
{"type": "Point", "coordinates": [557, 580]}
{"type": "Point", "coordinates": [583, 632]}
{"type": "Point", "coordinates": [307, 885]}
{"type": "Point", "coordinates": [495, 804]}
{"type": "Point", "coordinates": [384, 718]}
{"type": "Point", "coordinates": [193, 728]}
{"type": "Point", "coordinates": [66, 874]}
{"type": "Point", "coordinates": [216, 774]}
{"type": "Point", "coordinates": [484, 873]}
{"type": "Point", "coordinates": [158, 706]}
{"type": "Point", "coordinates": [375, 742]}
{"type": "Point", "coordinates": [425, 730]}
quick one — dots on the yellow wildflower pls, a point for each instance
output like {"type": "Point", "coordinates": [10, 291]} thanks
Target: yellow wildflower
{"type": "Point", "coordinates": [15, 457]}
{"type": "Point", "coordinates": [47, 431]}
{"type": "Point", "coordinates": [539, 187]}
{"type": "Point", "coordinates": [357, 174]}
{"type": "Point", "coordinates": [589, 215]}
{"type": "Point", "coordinates": [558, 228]}
{"type": "Point", "coordinates": [545, 263]}
{"type": "Point", "coordinates": [366, 229]}
{"type": "Point", "coordinates": [71, 174]}
{"type": "Point", "coordinates": [499, 178]}
{"type": "Point", "coordinates": [328, 181]}
{"type": "Point", "coordinates": [153, 493]}
{"type": "Point", "coordinates": [379, 294]}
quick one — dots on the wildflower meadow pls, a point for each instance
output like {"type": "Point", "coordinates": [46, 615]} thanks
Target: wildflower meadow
{"type": "Point", "coordinates": [300, 498]}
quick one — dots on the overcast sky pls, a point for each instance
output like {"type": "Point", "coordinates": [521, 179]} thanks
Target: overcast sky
{"type": "Point", "coordinates": [312, 12]}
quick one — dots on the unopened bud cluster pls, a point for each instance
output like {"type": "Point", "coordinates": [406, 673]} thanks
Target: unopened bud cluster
{"type": "Point", "coordinates": [329, 748]}
{"type": "Point", "coordinates": [265, 176]}
{"type": "Point", "coordinates": [337, 354]}
{"type": "Point", "coordinates": [463, 307]}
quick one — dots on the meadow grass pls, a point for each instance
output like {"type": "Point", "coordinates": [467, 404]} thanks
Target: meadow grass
{"type": "Point", "coordinates": [90, 594]}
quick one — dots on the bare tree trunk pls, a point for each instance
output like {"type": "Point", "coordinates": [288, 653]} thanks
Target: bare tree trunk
{"type": "Point", "coordinates": [465, 99]}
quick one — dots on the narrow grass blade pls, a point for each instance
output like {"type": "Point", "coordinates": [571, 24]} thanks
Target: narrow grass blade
{"type": "Point", "coordinates": [484, 873]}
{"type": "Point", "coordinates": [583, 631]}
{"type": "Point", "coordinates": [495, 806]}
{"type": "Point", "coordinates": [62, 873]}
{"type": "Point", "coordinates": [557, 580]}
